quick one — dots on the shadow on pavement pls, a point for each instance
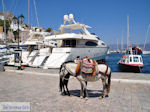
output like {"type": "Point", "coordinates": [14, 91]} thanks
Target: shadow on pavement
{"type": "Point", "coordinates": [91, 93]}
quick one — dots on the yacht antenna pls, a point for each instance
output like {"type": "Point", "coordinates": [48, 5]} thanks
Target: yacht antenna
{"type": "Point", "coordinates": [146, 35]}
{"type": "Point", "coordinates": [4, 23]}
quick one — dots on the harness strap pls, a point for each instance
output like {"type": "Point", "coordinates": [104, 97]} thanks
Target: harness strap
{"type": "Point", "coordinates": [106, 69]}
{"type": "Point", "coordinates": [65, 78]}
{"type": "Point", "coordinates": [102, 73]}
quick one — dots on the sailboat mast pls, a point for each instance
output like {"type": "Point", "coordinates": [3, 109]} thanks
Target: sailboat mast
{"type": "Point", "coordinates": [117, 46]}
{"type": "Point", "coordinates": [146, 35]}
{"type": "Point", "coordinates": [4, 23]}
{"type": "Point", "coordinates": [122, 41]}
{"type": "Point", "coordinates": [128, 31]}
{"type": "Point", "coordinates": [29, 12]}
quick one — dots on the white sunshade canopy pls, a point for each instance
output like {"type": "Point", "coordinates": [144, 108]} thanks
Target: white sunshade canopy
{"type": "Point", "coordinates": [74, 26]}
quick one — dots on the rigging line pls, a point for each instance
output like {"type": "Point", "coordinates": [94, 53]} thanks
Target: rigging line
{"type": "Point", "coordinates": [36, 12]}
{"type": "Point", "coordinates": [15, 6]}
{"type": "Point", "coordinates": [146, 35]}
{"type": "Point", "coordinates": [32, 17]}
{"type": "Point", "coordinates": [13, 2]}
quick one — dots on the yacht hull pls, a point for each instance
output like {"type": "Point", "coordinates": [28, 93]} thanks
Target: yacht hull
{"type": "Point", "coordinates": [61, 55]}
{"type": "Point", "coordinates": [129, 68]}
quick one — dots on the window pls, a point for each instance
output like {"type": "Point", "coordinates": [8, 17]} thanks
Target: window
{"type": "Point", "coordinates": [103, 43]}
{"type": "Point", "coordinates": [130, 59]}
{"type": "Point", "coordinates": [69, 43]}
{"type": "Point", "coordinates": [89, 43]}
{"type": "Point", "coordinates": [140, 59]}
{"type": "Point", "coordinates": [135, 59]}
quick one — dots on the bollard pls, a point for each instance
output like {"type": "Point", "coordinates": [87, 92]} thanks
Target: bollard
{"type": "Point", "coordinates": [2, 67]}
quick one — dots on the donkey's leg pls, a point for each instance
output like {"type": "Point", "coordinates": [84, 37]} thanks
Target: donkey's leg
{"type": "Point", "coordinates": [66, 85]}
{"type": "Point", "coordinates": [81, 91]}
{"type": "Point", "coordinates": [81, 83]}
{"type": "Point", "coordinates": [61, 85]}
{"type": "Point", "coordinates": [85, 90]}
{"type": "Point", "coordinates": [104, 86]}
{"type": "Point", "coordinates": [67, 90]}
{"type": "Point", "coordinates": [64, 88]}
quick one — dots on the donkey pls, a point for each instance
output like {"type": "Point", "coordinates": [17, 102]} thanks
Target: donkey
{"type": "Point", "coordinates": [67, 69]}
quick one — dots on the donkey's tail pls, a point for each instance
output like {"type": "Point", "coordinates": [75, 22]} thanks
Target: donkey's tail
{"type": "Point", "coordinates": [60, 84]}
{"type": "Point", "coordinates": [60, 79]}
{"type": "Point", "coordinates": [109, 82]}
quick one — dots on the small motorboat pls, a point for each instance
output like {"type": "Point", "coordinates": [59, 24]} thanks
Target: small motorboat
{"type": "Point", "coordinates": [131, 62]}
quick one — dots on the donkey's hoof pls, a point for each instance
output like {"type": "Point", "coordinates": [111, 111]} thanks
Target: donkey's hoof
{"type": "Point", "coordinates": [101, 97]}
{"type": "Point", "coordinates": [86, 98]}
{"type": "Point", "coordinates": [81, 97]}
{"type": "Point", "coordinates": [104, 96]}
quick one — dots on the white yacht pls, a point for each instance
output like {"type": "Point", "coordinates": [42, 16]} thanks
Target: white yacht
{"type": "Point", "coordinates": [33, 49]}
{"type": "Point", "coordinates": [71, 45]}
{"type": "Point", "coordinates": [34, 55]}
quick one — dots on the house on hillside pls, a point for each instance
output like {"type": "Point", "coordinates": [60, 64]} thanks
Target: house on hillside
{"type": "Point", "coordinates": [7, 15]}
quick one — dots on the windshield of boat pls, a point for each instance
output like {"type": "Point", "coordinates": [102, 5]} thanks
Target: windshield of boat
{"type": "Point", "coordinates": [135, 59]}
{"type": "Point", "coordinates": [77, 31]}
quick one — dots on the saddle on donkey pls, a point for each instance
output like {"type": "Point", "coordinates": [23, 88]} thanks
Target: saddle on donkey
{"type": "Point", "coordinates": [86, 66]}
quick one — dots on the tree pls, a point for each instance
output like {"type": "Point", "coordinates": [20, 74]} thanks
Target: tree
{"type": "Point", "coordinates": [48, 30]}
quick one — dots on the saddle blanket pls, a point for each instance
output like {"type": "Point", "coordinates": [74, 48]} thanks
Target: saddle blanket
{"type": "Point", "coordinates": [87, 67]}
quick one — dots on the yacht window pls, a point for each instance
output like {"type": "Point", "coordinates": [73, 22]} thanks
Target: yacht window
{"type": "Point", "coordinates": [103, 43]}
{"type": "Point", "coordinates": [130, 59]}
{"type": "Point", "coordinates": [89, 43]}
{"type": "Point", "coordinates": [98, 38]}
{"type": "Point", "coordinates": [127, 60]}
{"type": "Point", "coordinates": [123, 60]}
{"type": "Point", "coordinates": [69, 43]}
{"type": "Point", "coordinates": [140, 59]}
{"type": "Point", "coordinates": [135, 59]}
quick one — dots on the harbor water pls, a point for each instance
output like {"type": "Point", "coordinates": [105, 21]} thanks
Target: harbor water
{"type": "Point", "coordinates": [113, 59]}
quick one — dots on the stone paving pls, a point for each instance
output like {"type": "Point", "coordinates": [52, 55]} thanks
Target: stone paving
{"type": "Point", "coordinates": [43, 93]}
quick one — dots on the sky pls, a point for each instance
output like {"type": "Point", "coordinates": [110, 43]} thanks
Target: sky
{"type": "Point", "coordinates": [108, 18]}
